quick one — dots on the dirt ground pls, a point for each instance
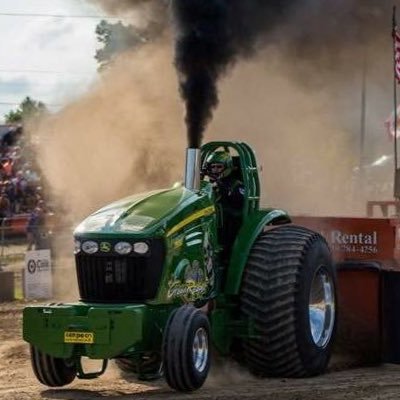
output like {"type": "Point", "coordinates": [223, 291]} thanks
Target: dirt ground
{"type": "Point", "coordinates": [17, 381]}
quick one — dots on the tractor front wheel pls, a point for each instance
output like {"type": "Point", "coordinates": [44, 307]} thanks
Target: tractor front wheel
{"type": "Point", "coordinates": [289, 295]}
{"type": "Point", "coordinates": [186, 354]}
{"type": "Point", "coordinates": [51, 371]}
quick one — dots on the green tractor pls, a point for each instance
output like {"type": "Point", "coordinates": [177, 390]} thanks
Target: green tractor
{"type": "Point", "coordinates": [161, 289]}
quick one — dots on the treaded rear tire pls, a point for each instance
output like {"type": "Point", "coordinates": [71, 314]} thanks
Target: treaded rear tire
{"type": "Point", "coordinates": [275, 295]}
{"type": "Point", "coordinates": [51, 371]}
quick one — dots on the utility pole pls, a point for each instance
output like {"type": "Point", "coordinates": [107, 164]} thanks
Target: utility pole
{"type": "Point", "coordinates": [363, 113]}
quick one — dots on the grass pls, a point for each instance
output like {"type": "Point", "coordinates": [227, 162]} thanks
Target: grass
{"type": "Point", "coordinates": [18, 292]}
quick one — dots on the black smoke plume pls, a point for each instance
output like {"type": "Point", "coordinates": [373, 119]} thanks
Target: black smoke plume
{"type": "Point", "coordinates": [324, 36]}
{"type": "Point", "coordinates": [317, 38]}
{"type": "Point", "coordinates": [210, 36]}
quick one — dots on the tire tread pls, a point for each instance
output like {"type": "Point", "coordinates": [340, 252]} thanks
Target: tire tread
{"type": "Point", "coordinates": [268, 297]}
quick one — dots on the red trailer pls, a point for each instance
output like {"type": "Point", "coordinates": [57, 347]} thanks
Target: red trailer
{"type": "Point", "coordinates": [367, 254]}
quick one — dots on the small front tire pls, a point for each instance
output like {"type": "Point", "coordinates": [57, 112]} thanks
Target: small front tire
{"type": "Point", "coordinates": [51, 371]}
{"type": "Point", "coordinates": [186, 354]}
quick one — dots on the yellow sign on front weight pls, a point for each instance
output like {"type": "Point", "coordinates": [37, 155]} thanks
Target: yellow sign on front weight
{"type": "Point", "coordinates": [79, 337]}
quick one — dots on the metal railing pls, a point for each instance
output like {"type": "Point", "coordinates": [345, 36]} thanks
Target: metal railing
{"type": "Point", "coordinates": [12, 232]}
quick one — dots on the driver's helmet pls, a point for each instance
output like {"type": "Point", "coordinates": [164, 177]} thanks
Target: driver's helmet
{"type": "Point", "coordinates": [218, 165]}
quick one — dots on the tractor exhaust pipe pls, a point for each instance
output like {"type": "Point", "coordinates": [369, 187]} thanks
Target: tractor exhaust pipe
{"type": "Point", "coordinates": [192, 172]}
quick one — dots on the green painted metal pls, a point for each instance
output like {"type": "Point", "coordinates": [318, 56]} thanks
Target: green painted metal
{"type": "Point", "coordinates": [249, 232]}
{"type": "Point", "coordinates": [140, 215]}
{"type": "Point", "coordinates": [116, 330]}
{"type": "Point", "coordinates": [226, 326]}
{"type": "Point", "coordinates": [219, 321]}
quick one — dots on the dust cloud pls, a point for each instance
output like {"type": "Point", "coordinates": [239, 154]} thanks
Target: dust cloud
{"type": "Point", "coordinates": [297, 98]}
{"type": "Point", "coordinates": [300, 147]}
{"type": "Point", "coordinates": [228, 372]}
{"type": "Point", "coordinates": [127, 134]}
{"type": "Point", "coordinates": [301, 116]}
{"type": "Point", "coordinates": [123, 137]}
{"type": "Point", "coordinates": [307, 144]}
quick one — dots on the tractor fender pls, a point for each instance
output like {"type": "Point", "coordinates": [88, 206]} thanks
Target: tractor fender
{"type": "Point", "coordinates": [255, 224]}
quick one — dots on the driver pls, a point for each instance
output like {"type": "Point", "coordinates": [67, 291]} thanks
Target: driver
{"type": "Point", "coordinates": [229, 192]}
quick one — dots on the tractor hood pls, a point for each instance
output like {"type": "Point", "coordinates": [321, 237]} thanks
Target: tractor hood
{"type": "Point", "coordinates": [142, 214]}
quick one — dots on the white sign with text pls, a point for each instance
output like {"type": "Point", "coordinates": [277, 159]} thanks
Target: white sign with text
{"type": "Point", "coordinates": [38, 283]}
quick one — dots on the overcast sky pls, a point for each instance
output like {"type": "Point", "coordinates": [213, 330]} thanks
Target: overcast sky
{"type": "Point", "coordinates": [50, 59]}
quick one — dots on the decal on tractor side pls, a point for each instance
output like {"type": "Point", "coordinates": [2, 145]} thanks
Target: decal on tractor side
{"type": "Point", "coordinates": [193, 277]}
{"type": "Point", "coordinates": [188, 282]}
{"type": "Point", "coordinates": [78, 337]}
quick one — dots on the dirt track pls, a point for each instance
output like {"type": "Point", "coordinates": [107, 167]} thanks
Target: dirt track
{"type": "Point", "coordinates": [18, 383]}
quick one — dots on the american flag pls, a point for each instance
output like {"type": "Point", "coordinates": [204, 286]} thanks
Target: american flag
{"type": "Point", "coordinates": [392, 124]}
{"type": "Point", "coordinates": [396, 36]}
{"type": "Point", "coordinates": [389, 123]}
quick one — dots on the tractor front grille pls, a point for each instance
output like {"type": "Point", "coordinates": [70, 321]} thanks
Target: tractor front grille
{"type": "Point", "coordinates": [114, 279]}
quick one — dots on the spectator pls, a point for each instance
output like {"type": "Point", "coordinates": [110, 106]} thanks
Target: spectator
{"type": "Point", "coordinates": [5, 206]}
{"type": "Point", "coordinates": [36, 223]}
{"type": "Point", "coordinates": [20, 182]}
{"type": "Point", "coordinates": [19, 185]}
{"type": "Point", "coordinates": [12, 137]}
{"type": "Point", "coordinates": [7, 166]}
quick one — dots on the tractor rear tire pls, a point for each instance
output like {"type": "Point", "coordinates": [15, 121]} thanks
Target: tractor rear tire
{"type": "Point", "coordinates": [289, 293]}
{"type": "Point", "coordinates": [186, 352]}
{"type": "Point", "coordinates": [51, 371]}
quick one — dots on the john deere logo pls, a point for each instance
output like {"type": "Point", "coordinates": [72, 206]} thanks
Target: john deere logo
{"type": "Point", "coordinates": [105, 247]}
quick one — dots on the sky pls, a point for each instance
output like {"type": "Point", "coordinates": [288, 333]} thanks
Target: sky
{"type": "Point", "coordinates": [47, 58]}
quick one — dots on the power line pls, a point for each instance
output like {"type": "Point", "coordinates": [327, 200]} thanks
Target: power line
{"type": "Point", "coordinates": [12, 85]}
{"type": "Point", "coordinates": [9, 103]}
{"type": "Point", "coordinates": [5, 103]}
{"type": "Point", "coordinates": [56, 16]}
{"type": "Point", "coordinates": [39, 71]}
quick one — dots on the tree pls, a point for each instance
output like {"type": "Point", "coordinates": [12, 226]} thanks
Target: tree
{"type": "Point", "coordinates": [118, 37]}
{"type": "Point", "coordinates": [28, 109]}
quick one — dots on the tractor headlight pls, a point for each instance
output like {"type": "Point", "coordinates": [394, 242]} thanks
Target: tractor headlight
{"type": "Point", "coordinates": [77, 246]}
{"type": "Point", "coordinates": [141, 247]}
{"type": "Point", "coordinates": [123, 248]}
{"type": "Point", "coordinates": [90, 247]}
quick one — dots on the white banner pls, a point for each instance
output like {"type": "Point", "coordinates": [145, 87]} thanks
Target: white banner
{"type": "Point", "coordinates": [38, 283]}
